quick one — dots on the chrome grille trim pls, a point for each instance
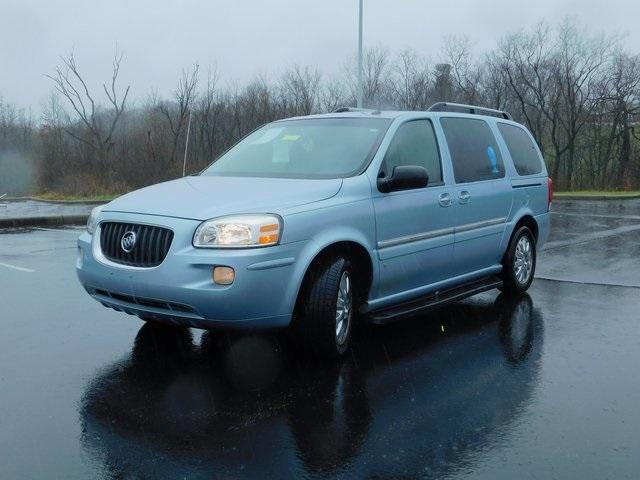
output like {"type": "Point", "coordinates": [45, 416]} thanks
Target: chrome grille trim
{"type": "Point", "coordinates": [151, 248]}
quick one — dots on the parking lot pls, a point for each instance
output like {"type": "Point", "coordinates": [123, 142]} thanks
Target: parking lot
{"type": "Point", "coordinates": [541, 386]}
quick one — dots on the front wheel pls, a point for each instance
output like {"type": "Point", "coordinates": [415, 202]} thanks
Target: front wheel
{"type": "Point", "coordinates": [328, 307]}
{"type": "Point", "coordinates": [519, 263]}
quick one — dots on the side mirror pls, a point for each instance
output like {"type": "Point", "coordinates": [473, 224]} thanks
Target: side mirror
{"type": "Point", "coordinates": [404, 177]}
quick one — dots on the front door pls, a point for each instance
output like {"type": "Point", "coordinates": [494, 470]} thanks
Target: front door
{"type": "Point", "coordinates": [414, 227]}
{"type": "Point", "coordinates": [482, 194]}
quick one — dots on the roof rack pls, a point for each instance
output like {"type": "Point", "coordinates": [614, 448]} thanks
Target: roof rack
{"type": "Point", "coordinates": [351, 109]}
{"type": "Point", "coordinates": [473, 109]}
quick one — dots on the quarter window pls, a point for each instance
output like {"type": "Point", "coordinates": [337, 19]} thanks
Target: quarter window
{"type": "Point", "coordinates": [522, 149]}
{"type": "Point", "coordinates": [415, 144]}
{"type": "Point", "coordinates": [474, 151]}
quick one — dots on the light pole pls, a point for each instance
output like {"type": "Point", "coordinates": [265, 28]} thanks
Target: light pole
{"type": "Point", "coordinates": [360, 55]}
{"type": "Point", "coordinates": [186, 146]}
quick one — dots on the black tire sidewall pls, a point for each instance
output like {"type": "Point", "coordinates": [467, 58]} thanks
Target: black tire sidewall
{"type": "Point", "coordinates": [511, 283]}
{"type": "Point", "coordinates": [318, 322]}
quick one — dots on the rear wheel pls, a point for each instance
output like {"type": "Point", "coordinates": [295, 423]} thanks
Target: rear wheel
{"type": "Point", "coordinates": [327, 307]}
{"type": "Point", "coordinates": [519, 263]}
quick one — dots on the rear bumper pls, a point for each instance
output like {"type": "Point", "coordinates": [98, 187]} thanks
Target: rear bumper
{"type": "Point", "coordinates": [181, 290]}
{"type": "Point", "coordinates": [544, 226]}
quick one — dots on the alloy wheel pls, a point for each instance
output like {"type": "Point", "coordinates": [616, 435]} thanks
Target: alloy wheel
{"type": "Point", "coordinates": [523, 260]}
{"type": "Point", "coordinates": [344, 306]}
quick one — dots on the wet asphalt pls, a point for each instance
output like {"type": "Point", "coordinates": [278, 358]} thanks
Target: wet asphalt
{"type": "Point", "coordinates": [542, 386]}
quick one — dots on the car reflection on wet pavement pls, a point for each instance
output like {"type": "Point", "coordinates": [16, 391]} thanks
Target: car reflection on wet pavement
{"type": "Point", "coordinates": [251, 403]}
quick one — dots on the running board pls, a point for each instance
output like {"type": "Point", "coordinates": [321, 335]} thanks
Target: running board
{"type": "Point", "coordinates": [433, 300]}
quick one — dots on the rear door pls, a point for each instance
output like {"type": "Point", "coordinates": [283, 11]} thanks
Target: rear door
{"type": "Point", "coordinates": [530, 180]}
{"type": "Point", "coordinates": [414, 227]}
{"type": "Point", "coordinates": [482, 194]}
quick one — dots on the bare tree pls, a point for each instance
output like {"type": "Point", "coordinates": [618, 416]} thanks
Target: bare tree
{"type": "Point", "coordinates": [410, 85]}
{"type": "Point", "coordinates": [300, 90]}
{"type": "Point", "coordinates": [335, 94]}
{"type": "Point", "coordinates": [524, 62]}
{"type": "Point", "coordinates": [580, 62]}
{"type": "Point", "coordinates": [494, 83]}
{"type": "Point", "coordinates": [465, 74]}
{"type": "Point", "coordinates": [443, 89]}
{"type": "Point", "coordinates": [623, 101]}
{"type": "Point", "coordinates": [375, 78]}
{"type": "Point", "coordinates": [578, 93]}
{"type": "Point", "coordinates": [209, 111]}
{"type": "Point", "coordinates": [177, 112]}
{"type": "Point", "coordinates": [99, 128]}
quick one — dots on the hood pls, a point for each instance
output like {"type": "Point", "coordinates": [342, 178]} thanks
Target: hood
{"type": "Point", "coordinates": [204, 197]}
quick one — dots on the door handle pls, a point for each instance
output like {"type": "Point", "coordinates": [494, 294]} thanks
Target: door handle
{"type": "Point", "coordinates": [444, 200]}
{"type": "Point", "coordinates": [464, 196]}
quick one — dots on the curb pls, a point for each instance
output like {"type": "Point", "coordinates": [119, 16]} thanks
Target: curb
{"type": "Point", "coordinates": [48, 221]}
{"type": "Point", "coordinates": [560, 198]}
{"type": "Point", "coordinates": [102, 202]}
{"type": "Point", "coordinates": [61, 202]}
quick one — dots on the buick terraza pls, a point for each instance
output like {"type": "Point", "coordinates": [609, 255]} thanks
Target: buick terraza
{"type": "Point", "coordinates": [312, 222]}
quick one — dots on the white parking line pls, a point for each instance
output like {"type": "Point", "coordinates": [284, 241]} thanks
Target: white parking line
{"type": "Point", "coordinates": [597, 215]}
{"type": "Point", "coordinates": [14, 267]}
{"type": "Point", "coordinates": [589, 237]}
{"type": "Point", "coordinates": [579, 282]}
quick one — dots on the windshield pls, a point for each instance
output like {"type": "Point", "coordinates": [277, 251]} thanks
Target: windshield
{"type": "Point", "coordinates": [310, 148]}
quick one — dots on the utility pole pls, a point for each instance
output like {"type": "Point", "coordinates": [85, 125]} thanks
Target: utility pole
{"type": "Point", "coordinates": [360, 93]}
{"type": "Point", "coordinates": [186, 146]}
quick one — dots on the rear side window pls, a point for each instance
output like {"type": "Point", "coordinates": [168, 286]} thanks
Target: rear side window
{"type": "Point", "coordinates": [415, 144]}
{"type": "Point", "coordinates": [522, 149]}
{"type": "Point", "coordinates": [474, 151]}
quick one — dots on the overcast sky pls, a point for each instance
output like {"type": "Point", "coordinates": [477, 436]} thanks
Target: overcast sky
{"type": "Point", "coordinates": [242, 38]}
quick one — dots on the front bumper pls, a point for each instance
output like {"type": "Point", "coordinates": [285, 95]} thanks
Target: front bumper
{"type": "Point", "coordinates": [180, 290]}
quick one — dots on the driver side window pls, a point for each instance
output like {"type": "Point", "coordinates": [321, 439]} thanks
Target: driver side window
{"type": "Point", "coordinates": [414, 144]}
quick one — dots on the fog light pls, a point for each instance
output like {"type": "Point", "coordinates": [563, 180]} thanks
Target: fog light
{"type": "Point", "coordinates": [223, 275]}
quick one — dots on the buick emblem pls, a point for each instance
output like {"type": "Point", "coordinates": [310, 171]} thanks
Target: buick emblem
{"type": "Point", "coordinates": [128, 241]}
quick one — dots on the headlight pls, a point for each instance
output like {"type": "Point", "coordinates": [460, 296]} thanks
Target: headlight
{"type": "Point", "coordinates": [92, 222]}
{"type": "Point", "coordinates": [239, 231]}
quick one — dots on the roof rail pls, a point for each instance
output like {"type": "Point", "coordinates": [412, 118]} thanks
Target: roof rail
{"type": "Point", "coordinates": [473, 109]}
{"type": "Point", "coordinates": [351, 109]}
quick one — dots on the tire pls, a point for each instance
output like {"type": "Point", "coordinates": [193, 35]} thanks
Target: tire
{"type": "Point", "coordinates": [330, 422]}
{"type": "Point", "coordinates": [519, 263]}
{"type": "Point", "coordinates": [328, 308]}
{"type": "Point", "coordinates": [516, 325]}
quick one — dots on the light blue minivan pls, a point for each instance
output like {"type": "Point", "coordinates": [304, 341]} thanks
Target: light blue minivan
{"type": "Point", "coordinates": [312, 222]}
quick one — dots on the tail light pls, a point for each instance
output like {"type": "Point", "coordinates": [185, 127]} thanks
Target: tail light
{"type": "Point", "coordinates": [550, 197]}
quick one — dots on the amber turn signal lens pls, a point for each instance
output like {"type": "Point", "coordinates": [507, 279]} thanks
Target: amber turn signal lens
{"type": "Point", "coordinates": [270, 228]}
{"type": "Point", "coordinates": [223, 275]}
{"type": "Point", "coordinates": [267, 239]}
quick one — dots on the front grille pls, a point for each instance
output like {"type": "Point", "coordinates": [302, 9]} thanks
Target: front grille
{"type": "Point", "coordinates": [150, 249]}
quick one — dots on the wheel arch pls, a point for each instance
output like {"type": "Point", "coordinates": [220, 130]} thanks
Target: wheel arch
{"type": "Point", "coordinates": [523, 219]}
{"type": "Point", "coordinates": [354, 249]}
{"type": "Point", "coordinates": [526, 220]}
